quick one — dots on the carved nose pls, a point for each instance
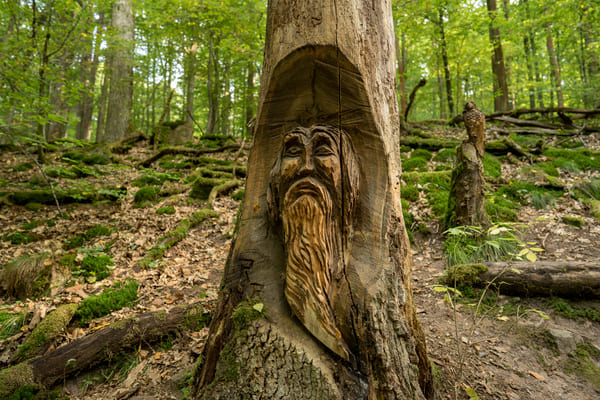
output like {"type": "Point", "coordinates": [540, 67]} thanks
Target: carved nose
{"type": "Point", "coordinates": [308, 165]}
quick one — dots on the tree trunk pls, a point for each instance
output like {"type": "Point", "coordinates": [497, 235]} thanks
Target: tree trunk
{"type": "Point", "coordinates": [118, 115]}
{"type": "Point", "coordinates": [250, 98]}
{"type": "Point", "coordinates": [316, 299]}
{"type": "Point", "coordinates": [447, 76]}
{"type": "Point", "coordinates": [86, 104]}
{"type": "Point", "coordinates": [498, 68]}
{"type": "Point", "coordinates": [191, 79]}
{"type": "Point", "coordinates": [554, 67]}
{"type": "Point", "coordinates": [211, 84]}
{"type": "Point", "coordinates": [466, 199]}
{"type": "Point", "coordinates": [401, 57]}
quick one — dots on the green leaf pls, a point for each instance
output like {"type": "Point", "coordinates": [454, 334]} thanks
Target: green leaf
{"type": "Point", "coordinates": [531, 256]}
{"type": "Point", "coordinates": [259, 307]}
{"type": "Point", "coordinates": [536, 249]}
{"type": "Point", "coordinates": [440, 289]}
{"type": "Point", "coordinates": [472, 393]}
{"type": "Point", "coordinates": [516, 271]}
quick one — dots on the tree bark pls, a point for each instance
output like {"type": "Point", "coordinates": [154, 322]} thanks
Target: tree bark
{"type": "Point", "coordinates": [446, 64]}
{"type": "Point", "coordinates": [554, 67]}
{"type": "Point", "coordinates": [211, 85]}
{"type": "Point", "coordinates": [328, 103]}
{"type": "Point", "coordinates": [498, 67]}
{"type": "Point", "coordinates": [250, 97]}
{"type": "Point", "coordinates": [571, 279]}
{"type": "Point", "coordinates": [118, 115]}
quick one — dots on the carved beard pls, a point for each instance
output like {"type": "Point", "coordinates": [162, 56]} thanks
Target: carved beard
{"type": "Point", "coordinates": [313, 260]}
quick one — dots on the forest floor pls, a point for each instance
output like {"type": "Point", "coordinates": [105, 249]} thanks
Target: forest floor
{"type": "Point", "coordinates": [505, 350]}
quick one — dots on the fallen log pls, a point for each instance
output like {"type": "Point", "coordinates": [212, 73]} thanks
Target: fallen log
{"type": "Point", "coordinates": [124, 145]}
{"type": "Point", "coordinates": [535, 131]}
{"type": "Point", "coordinates": [187, 152]}
{"type": "Point", "coordinates": [99, 346]}
{"type": "Point", "coordinates": [548, 110]}
{"type": "Point", "coordinates": [525, 122]}
{"type": "Point", "coordinates": [571, 279]}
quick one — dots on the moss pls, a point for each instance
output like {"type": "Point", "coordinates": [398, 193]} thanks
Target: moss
{"type": "Point", "coordinates": [19, 237]}
{"type": "Point", "coordinates": [247, 311]}
{"type": "Point", "coordinates": [410, 193]}
{"type": "Point", "coordinates": [429, 143]}
{"type": "Point", "coordinates": [440, 178]}
{"type": "Point", "coordinates": [574, 159]}
{"type": "Point", "coordinates": [421, 153]}
{"type": "Point", "coordinates": [155, 178]}
{"type": "Point", "coordinates": [415, 164]}
{"type": "Point", "coordinates": [98, 230]}
{"type": "Point", "coordinates": [573, 221]}
{"type": "Point", "coordinates": [491, 166]}
{"type": "Point", "coordinates": [464, 274]}
{"type": "Point", "coordinates": [14, 378]}
{"type": "Point", "coordinates": [583, 362]}
{"type": "Point", "coordinates": [48, 329]}
{"type": "Point", "coordinates": [202, 187]}
{"type": "Point", "coordinates": [445, 155]}
{"type": "Point", "coordinates": [196, 318]}
{"type": "Point", "coordinates": [586, 190]}
{"type": "Point", "coordinates": [114, 298]}
{"type": "Point", "coordinates": [33, 206]}
{"type": "Point", "coordinates": [146, 196]}
{"type": "Point", "coordinates": [75, 241]}
{"type": "Point", "coordinates": [68, 260]}
{"type": "Point", "coordinates": [166, 210]}
{"type": "Point", "coordinates": [27, 276]}
{"type": "Point", "coordinates": [238, 195]}
{"type": "Point", "coordinates": [438, 200]}
{"type": "Point", "coordinates": [548, 168]}
{"type": "Point", "coordinates": [500, 209]}
{"type": "Point", "coordinates": [170, 164]}
{"type": "Point", "coordinates": [87, 158]}
{"type": "Point", "coordinates": [32, 224]}
{"type": "Point", "coordinates": [565, 309]}
{"type": "Point", "coordinates": [21, 167]}
{"type": "Point", "coordinates": [95, 268]}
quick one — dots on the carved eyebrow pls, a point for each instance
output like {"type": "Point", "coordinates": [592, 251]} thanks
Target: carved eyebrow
{"type": "Point", "coordinates": [323, 137]}
{"type": "Point", "coordinates": [291, 139]}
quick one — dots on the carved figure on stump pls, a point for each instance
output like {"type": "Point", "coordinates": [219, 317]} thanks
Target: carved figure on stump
{"type": "Point", "coordinates": [466, 200]}
{"type": "Point", "coordinates": [475, 124]}
{"type": "Point", "coordinates": [313, 189]}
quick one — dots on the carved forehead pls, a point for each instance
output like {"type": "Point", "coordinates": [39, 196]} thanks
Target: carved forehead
{"type": "Point", "coordinates": [314, 133]}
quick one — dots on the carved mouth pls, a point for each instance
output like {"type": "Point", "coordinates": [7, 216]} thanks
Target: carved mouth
{"type": "Point", "coordinates": [305, 187]}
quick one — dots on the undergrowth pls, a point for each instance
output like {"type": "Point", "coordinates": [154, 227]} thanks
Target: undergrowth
{"type": "Point", "coordinates": [121, 294]}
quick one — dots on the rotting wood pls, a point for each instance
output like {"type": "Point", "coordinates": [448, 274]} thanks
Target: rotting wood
{"type": "Point", "coordinates": [99, 346]}
{"type": "Point", "coordinates": [571, 279]}
{"type": "Point", "coordinates": [124, 145]}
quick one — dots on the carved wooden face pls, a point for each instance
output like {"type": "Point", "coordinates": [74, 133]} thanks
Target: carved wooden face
{"type": "Point", "coordinates": [314, 184]}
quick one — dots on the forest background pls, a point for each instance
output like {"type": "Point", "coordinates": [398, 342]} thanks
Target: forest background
{"type": "Point", "coordinates": [98, 70]}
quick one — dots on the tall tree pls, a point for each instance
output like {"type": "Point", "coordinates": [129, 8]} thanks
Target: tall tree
{"type": "Point", "coordinates": [118, 113]}
{"type": "Point", "coordinates": [321, 253]}
{"type": "Point", "coordinates": [554, 66]}
{"type": "Point", "coordinates": [498, 67]}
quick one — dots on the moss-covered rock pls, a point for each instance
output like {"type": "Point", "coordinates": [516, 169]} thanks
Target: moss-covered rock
{"type": "Point", "coordinates": [202, 187]}
{"type": "Point", "coordinates": [595, 208]}
{"type": "Point", "coordinates": [146, 196]}
{"type": "Point", "coordinates": [463, 274]}
{"type": "Point", "coordinates": [573, 221]}
{"type": "Point", "coordinates": [16, 377]}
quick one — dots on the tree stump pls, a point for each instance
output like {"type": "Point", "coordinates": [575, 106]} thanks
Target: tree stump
{"type": "Point", "coordinates": [466, 201]}
{"type": "Point", "coordinates": [316, 299]}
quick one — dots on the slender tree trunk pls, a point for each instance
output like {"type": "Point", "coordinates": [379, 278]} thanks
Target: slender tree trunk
{"type": "Point", "coordinates": [57, 128]}
{"type": "Point", "coordinates": [86, 105]}
{"type": "Point", "coordinates": [211, 85]}
{"type": "Point", "coordinates": [191, 84]}
{"type": "Point", "coordinates": [444, 49]}
{"type": "Point", "coordinates": [498, 67]}
{"type": "Point", "coordinates": [401, 57]}
{"type": "Point", "coordinates": [554, 67]}
{"type": "Point", "coordinates": [530, 74]}
{"type": "Point", "coordinates": [101, 122]}
{"type": "Point", "coordinates": [324, 312]}
{"type": "Point", "coordinates": [250, 97]}
{"type": "Point", "coordinates": [118, 114]}
{"type": "Point", "coordinates": [226, 102]}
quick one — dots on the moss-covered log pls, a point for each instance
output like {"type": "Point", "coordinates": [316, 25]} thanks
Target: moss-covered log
{"type": "Point", "coordinates": [45, 332]}
{"type": "Point", "coordinates": [186, 152]}
{"type": "Point", "coordinates": [22, 197]}
{"type": "Point", "coordinates": [99, 346]}
{"type": "Point", "coordinates": [573, 279]}
{"type": "Point", "coordinates": [174, 237]}
{"type": "Point", "coordinates": [222, 188]}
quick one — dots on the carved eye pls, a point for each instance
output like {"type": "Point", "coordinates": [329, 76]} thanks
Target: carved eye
{"type": "Point", "coordinates": [293, 151]}
{"type": "Point", "coordinates": [324, 150]}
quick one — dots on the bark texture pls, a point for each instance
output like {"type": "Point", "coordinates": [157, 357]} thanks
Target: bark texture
{"type": "Point", "coordinates": [118, 114]}
{"type": "Point", "coordinates": [327, 63]}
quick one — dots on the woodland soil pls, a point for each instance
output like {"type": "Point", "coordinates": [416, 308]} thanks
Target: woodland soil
{"type": "Point", "coordinates": [508, 351]}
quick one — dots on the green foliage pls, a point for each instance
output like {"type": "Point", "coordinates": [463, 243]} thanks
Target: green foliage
{"type": "Point", "coordinates": [89, 159]}
{"type": "Point", "coordinates": [491, 166]}
{"type": "Point", "coordinates": [31, 224]}
{"type": "Point", "coordinates": [146, 196]}
{"type": "Point", "coordinates": [166, 210]}
{"type": "Point", "coordinates": [501, 209]}
{"type": "Point", "coordinates": [121, 294]}
{"type": "Point", "coordinates": [584, 362]}
{"type": "Point", "coordinates": [574, 160]}
{"type": "Point", "coordinates": [21, 167]}
{"type": "Point", "coordinates": [587, 189]}
{"type": "Point", "coordinates": [90, 233]}
{"type": "Point", "coordinates": [548, 168]}
{"type": "Point", "coordinates": [541, 199]}
{"type": "Point", "coordinates": [565, 309]}
{"type": "Point", "coordinates": [26, 392]}
{"type": "Point", "coordinates": [11, 323]}
{"type": "Point", "coordinates": [474, 245]}
{"type": "Point", "coordinates": [171, 164]}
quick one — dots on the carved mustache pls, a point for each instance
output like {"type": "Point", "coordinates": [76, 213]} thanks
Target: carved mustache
{"type": "Point", "coordinates": [304, 187]}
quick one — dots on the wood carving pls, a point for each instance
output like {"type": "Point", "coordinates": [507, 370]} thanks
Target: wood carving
{"type": "Point", "coordinates": [313, 188]}
{"type": "Point", "coordinates": [475, 123]}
